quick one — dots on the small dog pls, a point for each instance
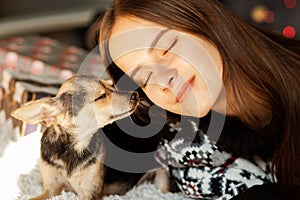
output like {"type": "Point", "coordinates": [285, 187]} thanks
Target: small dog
{"type": "Point", "coordinates": [72, 153]}
{"type": "Point", "coordinates": [72, 149]}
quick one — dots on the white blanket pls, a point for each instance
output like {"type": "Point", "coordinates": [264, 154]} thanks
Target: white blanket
{"type": "Point", "coordinates": [19, 171]}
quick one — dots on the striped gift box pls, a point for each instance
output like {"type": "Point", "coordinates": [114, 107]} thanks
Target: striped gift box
{"type": "Point", "coordinates": [33, 67]}
{"type": "Point", "coordinates": [18, 88]}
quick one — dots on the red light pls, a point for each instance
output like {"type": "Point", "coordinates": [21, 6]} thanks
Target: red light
{"type": "Point", "coordinates": [269, 18]}
{"type": "Point", "coordinates": [290, 4]}
{"type": "Point", "coordinates": [289, 32]}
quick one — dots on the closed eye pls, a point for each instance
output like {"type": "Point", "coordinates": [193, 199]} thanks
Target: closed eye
{"type": "Point", "coordinates": [102, 96]}
{"type": "Point", "coordinates": [147, 80]}
{"type": "Point", "coordinates": [171, 46]}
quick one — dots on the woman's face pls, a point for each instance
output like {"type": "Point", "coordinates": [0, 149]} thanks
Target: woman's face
{"type": "Point", "coordinates": [179, 72]}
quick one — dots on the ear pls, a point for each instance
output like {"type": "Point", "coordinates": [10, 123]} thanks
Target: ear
{"type": "Point", "coordinates": [40, 111]}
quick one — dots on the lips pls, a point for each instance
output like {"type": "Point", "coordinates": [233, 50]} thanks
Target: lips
{"type": "Point", "coordinates": [185, 88]}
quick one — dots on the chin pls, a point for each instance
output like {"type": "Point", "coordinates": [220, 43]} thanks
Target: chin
{"type": "Point", "coordinates": [194, 113]}
{"type": "Point", "coordinates": [190, 113]}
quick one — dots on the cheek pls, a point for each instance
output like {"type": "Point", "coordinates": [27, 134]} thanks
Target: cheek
{"type": "Point", "coordinates": [200, 98]}
{"type": "Point", "coordinates": [207, 94]}
{"type": "Point", "coordinates": [102, 114]}
{"type": "Point", "coordinates": [197, 103]}
{"type": "Point", "coordinates": [159, 95]}
{"type": "Point", "coordinates": [163, 99]}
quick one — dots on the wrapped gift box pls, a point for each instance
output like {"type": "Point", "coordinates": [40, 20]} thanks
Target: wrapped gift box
{"type": "Point", "coordinates": [34, 67]}
{"type": "Point", "coordinates": [19, 88]}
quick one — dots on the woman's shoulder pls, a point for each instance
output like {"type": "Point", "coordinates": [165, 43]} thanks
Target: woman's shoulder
{"type": "Point", "coordinates": [238, 138]}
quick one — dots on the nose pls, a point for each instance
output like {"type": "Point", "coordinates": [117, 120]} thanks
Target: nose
{"type": "Point", "coordinates": [166, 77]}
{"type": "Point", "coordinates": [134, 97]}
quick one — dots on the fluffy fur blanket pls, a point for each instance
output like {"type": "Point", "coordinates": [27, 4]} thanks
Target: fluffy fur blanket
{"type": "Point", "coordinates": [19, 170]}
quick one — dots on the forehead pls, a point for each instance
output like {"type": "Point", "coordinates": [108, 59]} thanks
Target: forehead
{"type": "Point", "coordinates": [128, 23]}
{"type": "Point", "coordinates": [81, 84]}
{"type": "Point", "coordinates": [130, 34]}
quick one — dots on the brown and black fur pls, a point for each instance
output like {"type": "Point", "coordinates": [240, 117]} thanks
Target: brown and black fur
{"type": "Point", "coordinates": [72, 151]}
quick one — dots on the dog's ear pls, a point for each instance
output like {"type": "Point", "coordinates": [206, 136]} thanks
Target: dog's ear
{"type": "Point", "coordinates": [40, 111]}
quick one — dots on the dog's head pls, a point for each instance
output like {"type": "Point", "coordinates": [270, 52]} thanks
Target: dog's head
{"type": "Point", "coordinates": [83, 101]}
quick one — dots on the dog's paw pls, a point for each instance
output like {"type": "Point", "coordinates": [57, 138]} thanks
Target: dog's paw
{"type": "Point", "coordinates": [40, 197]}
{"type": "Point", "coordinates": [160, 178]}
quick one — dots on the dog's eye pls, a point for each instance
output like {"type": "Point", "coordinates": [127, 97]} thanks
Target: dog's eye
{"type": "Point", "coordinates": [102, 96]}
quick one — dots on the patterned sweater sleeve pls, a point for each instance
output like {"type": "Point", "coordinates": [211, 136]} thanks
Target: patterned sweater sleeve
{"type": "Point", "coordinates": [203, 170]}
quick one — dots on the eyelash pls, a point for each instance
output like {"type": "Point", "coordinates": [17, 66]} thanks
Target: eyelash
{"type": "Point", "coordinates": [171, 46]}
{"type": "Point", "coordinates": [146, 82]}
{"type": "Point", "coordinates": [102, 96]}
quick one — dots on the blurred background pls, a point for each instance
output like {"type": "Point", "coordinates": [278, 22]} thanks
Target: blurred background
{"type": "Point", "coordinates": [67, 20]}
{"type": "Point", "coordinates": [64, 20]}
{"type": "Point", "coordinates": [282, 16]}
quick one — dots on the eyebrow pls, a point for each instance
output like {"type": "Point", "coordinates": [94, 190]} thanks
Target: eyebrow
{"type": "Point", "coordinates": [157, 38]}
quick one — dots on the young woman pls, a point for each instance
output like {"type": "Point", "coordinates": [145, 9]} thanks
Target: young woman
{"type": "Point", "coordinates": [259, 70]}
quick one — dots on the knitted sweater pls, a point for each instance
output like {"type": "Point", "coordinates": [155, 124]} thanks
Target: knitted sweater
{"type": "Point", "coordinates": [204, 170]}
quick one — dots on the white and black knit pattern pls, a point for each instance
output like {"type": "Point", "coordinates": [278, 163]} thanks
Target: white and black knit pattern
{"type": "Point", "coordinates": [205, 171]}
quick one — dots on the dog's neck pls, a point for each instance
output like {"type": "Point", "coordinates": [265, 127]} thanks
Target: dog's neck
{"type": "Point", "coordinates": [71, 135]}
{"type": "Point", "coordinates": [64, 149]}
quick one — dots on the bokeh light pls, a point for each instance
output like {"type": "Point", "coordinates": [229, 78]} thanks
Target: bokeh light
{"type": "Point", "coordinates": [281, 16]}
{"type": "Point", "coordinates": [270, 16]}
{"type": "Point", "coordinates": [259, 13]}
{"type": "Point", "coordinates": [289, 31]}
{"type": "Point", "coordinates": [290, 4]}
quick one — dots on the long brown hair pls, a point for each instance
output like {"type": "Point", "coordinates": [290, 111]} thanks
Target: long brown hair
{"type": "Point", "coordinates": [260, 68]}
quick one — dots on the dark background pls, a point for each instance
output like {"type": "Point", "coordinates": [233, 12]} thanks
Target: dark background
{"type": "Point", "coordinates": [282, 16]}
{"type": "Point", "coordinates": [279, 15]}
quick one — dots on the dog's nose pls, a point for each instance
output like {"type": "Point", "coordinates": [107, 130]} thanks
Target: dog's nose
{"type": "Point", "coordinates": [134, 96]}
